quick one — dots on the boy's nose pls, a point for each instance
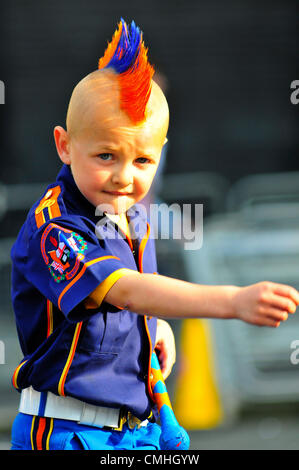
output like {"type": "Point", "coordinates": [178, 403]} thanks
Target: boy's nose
{"type": "Point", "coordinates": [123, 176]}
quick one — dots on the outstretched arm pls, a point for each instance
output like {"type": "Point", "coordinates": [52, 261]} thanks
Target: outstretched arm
{"type": "Point", "coordinates": [264, 304]}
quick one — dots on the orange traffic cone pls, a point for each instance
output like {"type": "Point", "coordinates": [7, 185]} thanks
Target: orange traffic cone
{"type": "Point", "coordinates": [196, 401]}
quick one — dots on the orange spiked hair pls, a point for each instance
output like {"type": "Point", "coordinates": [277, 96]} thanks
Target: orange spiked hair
{"type": "Point", "coordinates": [127, 55]}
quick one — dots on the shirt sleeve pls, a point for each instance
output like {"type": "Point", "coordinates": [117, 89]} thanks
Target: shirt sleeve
{"type": "Point", "coordinates": [66, 263]}
{"type": "Point", "coordinates": [104, 287]}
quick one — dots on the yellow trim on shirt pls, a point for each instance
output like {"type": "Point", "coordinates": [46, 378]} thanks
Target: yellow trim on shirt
{"type": "Point", "coordinates": [31, 432]}
{"type": "Point", "coordinates": [95, 299]}
{"type": "Point", "coordinates": [49, 434]}
{"type": "Point", "coordinates": [69, 359]}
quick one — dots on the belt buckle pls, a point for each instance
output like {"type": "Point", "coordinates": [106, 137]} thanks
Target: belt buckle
{"type": "Point", "coordinates": [133, 421]}
{"type": "Point", "coordinates": [129, 418]}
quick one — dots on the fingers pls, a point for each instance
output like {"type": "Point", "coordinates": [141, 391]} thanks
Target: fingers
{"type": "Point", "coordinates": [271, 318]}
{"type": "Point", "coordinates": [282, 303]}
{"type": "Point", "coordinates": [279, 296]}
{"type": "Point", "coordinates": [274, 313]}
{"type": "Point", "coordinates": [271, 323]}
{"type": "Point", "coordinates": [166, 362]}
{"type": "Point", "coordinates": [287, 291]}
{"type": "Point", "coordinates": [263, 320]}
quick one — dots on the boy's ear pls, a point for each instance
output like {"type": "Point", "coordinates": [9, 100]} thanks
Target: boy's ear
{"type": "Point", "coordinates": [62, 144]}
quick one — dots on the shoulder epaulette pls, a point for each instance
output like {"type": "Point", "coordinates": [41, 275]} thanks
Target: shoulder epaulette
{"type": "Point", "coordinates": [48, 207]}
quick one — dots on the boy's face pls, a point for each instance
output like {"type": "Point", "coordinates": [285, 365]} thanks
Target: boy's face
{"type": "Point", "coordinates": [115, 166]}
{"type": "Point", "coordinates": [113, 162]}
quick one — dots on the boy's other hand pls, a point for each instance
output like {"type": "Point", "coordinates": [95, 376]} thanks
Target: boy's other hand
{"type": "Point", "coordinates": [265, 303]}
{"type": "Point", "coordinates": [165, 347]}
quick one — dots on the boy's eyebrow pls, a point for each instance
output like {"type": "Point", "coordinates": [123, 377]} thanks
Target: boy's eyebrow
{"type": "Point", "coordinates": [114, 148]}
{"type": "Point", "coordinates": [107, 146]}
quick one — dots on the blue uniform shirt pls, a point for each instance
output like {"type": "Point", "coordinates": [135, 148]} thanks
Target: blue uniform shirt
{"type": "Point", "coordinates": [62, 253]}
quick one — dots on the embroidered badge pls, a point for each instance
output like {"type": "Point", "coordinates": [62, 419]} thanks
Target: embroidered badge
{"type": "Point", "coordinates": [62, 250]}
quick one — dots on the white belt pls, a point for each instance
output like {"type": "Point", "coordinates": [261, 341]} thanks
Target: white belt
{"type": "Point", "coordinates": [49, 405]}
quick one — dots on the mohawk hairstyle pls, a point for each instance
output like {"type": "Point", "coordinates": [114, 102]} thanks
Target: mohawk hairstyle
{"type": "Point", "coordinates": [127, 55]}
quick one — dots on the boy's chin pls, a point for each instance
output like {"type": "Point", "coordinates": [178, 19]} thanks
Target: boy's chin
{"type": "Point", "coordinates": [115, 209]}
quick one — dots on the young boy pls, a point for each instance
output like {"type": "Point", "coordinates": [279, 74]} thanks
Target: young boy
{"type": "Point", "coordinates": [85, 287]}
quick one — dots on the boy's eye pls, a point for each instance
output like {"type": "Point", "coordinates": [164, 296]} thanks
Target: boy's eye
{"type": "Point", "coordinates": [143, 160]}
{"type": "Point", "coordinates": [105, 156]}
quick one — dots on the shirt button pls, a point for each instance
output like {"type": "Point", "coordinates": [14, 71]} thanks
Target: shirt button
{"type": "Point", "coordinates": [49, 194]}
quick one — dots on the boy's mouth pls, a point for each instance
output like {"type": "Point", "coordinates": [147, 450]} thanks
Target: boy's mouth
{"type": "Point", "coordinates": [117, 193]}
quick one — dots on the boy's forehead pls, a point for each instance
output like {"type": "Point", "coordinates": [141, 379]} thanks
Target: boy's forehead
{"type": "Point", "coordinates": [95, 105]}
{"type": "Point", "coordinates": [127, 139]}
{"type": "Point", "coordinates": [96, 92]}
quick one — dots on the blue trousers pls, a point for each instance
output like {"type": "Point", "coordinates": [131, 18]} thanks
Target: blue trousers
{"type": "Point", "coordinates": [38, 433]}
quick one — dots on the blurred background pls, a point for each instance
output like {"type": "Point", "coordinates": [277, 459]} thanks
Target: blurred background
{"type": "Point", "coordinates": [226, 69]}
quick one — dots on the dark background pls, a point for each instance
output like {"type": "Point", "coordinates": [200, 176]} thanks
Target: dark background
{"type": "Point", "coordinates": [229, 67]}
